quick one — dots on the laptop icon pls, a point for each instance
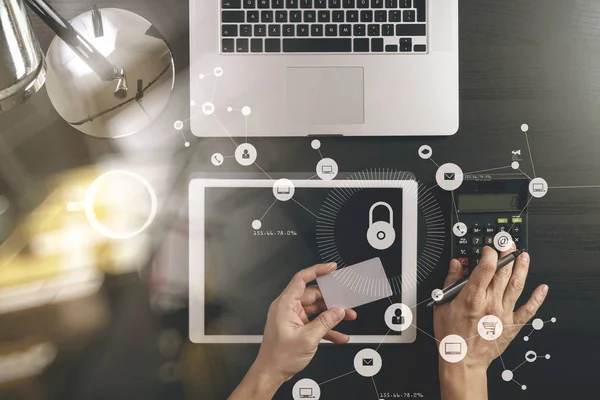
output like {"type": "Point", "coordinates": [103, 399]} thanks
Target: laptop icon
{"type": "Point", "coordinates": [538, 187]}
{"type": "Point", "coordinates": [283, 189]}
{"type": "Point", "coordinates": [327, 169]}
{"type": "Point", "coordinates": [452, 348]}
{"type": "Point", "coordinates": [304, 77]}
{"type": "Point", "coordinates": [306, 393]}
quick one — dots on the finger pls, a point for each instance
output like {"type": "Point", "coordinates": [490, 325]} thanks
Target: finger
{"type": "Point", "coordinates": [503, 274]}
{"type": "Point", "coordinates": [529, 309]}
{"type": "Point", "coordinates": [295, 288]}
{"type": "Point", "coordinates": [315, 308]}
{"type": "Point", "coordinates": [483, 273]}
{"type": "Point", "coordinates": [455, 272]}
{"type": "Point", "coordinates": [337, 337]}
{"type": "Point", "coordinates": [326, 321]}
{"type": "Point", "coordinates": [351, 315]}
{"type": "Point", "coordinates": [311, 295]}
{"type": "Point", "coordinates": [515, 286]}
{"type": "Point", "coordinates": [320, 306]}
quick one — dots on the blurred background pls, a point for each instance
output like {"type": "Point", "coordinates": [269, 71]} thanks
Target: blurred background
{"type": "Point", "coordinates": [93, 282]}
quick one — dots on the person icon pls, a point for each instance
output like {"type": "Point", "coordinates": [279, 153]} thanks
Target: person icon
{"type": "Point", "coordinates": [246, 155]}
{"type": "Point", "coordinates": [398, 319]}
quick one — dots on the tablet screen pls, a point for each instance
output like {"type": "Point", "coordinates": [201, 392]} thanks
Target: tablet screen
{"type": "Point", "coordinates": [245, 268]}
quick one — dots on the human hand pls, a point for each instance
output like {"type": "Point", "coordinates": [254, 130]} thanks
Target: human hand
{"type": "Point", "coordinates": [290, 339]}
{"type": "Point", "coordinates": [488, 292]}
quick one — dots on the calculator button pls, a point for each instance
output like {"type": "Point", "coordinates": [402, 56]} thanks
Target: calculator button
{"type": "Point", "coordinates": [477, 251]}
{"type": "Point", "coordinates": [502, 221]}
{"type": "Point", "coordinates": [463, 241]}
{"type": "Point", "coordinates": [465, 271]}
{"type": "Point", "coordinates": [489, 240]}
{"type": "Point", "coordinates": [477, 241]}
{"type": "Point", "coordinates": [517, 240]}
{"type": "Point", "coordinates": [502, 228]}
{"type": "Point", "coordinates": [477, 229]}
{"type": "Point", "coordinates": [476, 262]}
{"type": "Point", "coordinates": [516, 229]}
{"type": "Point", "coordinates": [464, 262]}
{"type": "Point", "coordinates": [463, 252]}
{"type": "Point", "coordinates": [489, 228]}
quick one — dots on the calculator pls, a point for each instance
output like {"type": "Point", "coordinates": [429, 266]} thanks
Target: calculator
{"type": "Point", "coordinates": [488, 204]}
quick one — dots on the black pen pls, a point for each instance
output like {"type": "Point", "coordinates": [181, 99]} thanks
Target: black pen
{"type": "Point", "coordinates": [453, 290]}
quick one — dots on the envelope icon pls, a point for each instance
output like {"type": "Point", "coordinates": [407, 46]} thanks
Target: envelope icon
{"type": "Point", "coordinates": [367, 362]}
{"type": "Point", "coordinates": [449, 176]}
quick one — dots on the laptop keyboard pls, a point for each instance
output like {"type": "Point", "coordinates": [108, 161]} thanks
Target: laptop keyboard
{"type": "Point", "coordinates": [324, 26]}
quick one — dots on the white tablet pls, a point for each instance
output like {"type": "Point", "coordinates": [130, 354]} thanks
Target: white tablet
{"type": "Point", "coordinates": [245, 246]}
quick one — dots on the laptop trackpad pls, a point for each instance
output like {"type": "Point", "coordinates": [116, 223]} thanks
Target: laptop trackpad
{"type": "Point", "coordinates": [325, 95]}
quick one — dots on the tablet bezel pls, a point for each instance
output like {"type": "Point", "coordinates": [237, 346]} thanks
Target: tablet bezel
{"type": "Point", "coordinates": [197, 249]}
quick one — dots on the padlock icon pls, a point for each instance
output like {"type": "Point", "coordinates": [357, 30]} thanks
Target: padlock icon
{"type": "Point", "coordinates": [381, 234]}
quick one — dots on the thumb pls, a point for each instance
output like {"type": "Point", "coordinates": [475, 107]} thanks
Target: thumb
{"type": "Point", "coordinates": [455, 273]}
{"type": "Point", "coordinates": [325, 322]}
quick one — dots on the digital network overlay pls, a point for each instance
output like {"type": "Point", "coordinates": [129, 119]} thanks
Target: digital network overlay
{"type": "Point", "coordinates": [398, 317]}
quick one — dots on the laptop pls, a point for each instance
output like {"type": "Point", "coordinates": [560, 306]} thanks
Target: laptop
{"type": "Point", "coordinates": [324, 67]}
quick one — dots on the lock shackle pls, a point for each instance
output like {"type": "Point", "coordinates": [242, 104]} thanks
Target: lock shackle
{"type": "Point", "coordinates": [384, 204]}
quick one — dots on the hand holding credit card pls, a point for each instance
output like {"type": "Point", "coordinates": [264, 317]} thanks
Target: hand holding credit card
{"type": "Point", "coordinates": [355, 285]}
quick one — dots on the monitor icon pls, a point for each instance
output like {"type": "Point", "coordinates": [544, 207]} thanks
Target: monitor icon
{"type": "Point", "coordinates": [538, 187]}
{"type": "Point", "coordinates": [327, 169]}
{"type": "Point", "coordinates": [283, 189]}
{"type": "Point", "coordinates": [306, 393]}
{"type": "Point", "coordinates": [452, 348]}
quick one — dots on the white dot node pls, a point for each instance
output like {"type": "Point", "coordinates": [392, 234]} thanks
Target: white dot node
{"type": "Point", "coordinates": [547, 356]}
{"type": "Point", "coordinates": [524, 387]}
{"type": "Point", "coordinates": [218, 71]}
{"type": "Point", "coordinates": [437, 294]}
{"type": "Point", "coordinates": [327, 169]}
{"type": "Point", "coordinates": [315, 144]}
{"type": "Point", "coordinates": [246, 154]}
{"type": "Point", "coordinates": [531, 356]}
{"type": "Point", "coordinates": [246, 111]}
{"type": "Point", "coordinates": [526, 338]}
{"type": "Point", "coordinates": [553, 320]}
{"type": "Point", "coordinates": [208, 108]}
{"type": "Point", "coordinates": [425, 152]}
{"type": "Point", "coordinates": [283, 189]}
{"type": "Point", "coordinates": [178, 125]}
{"type": "Point", "coordinates": [192, 103]}
{"type": "Point", "coordinates": [256, 224]}
{"type": "Point", "coordinates": [507, 375]}
{"type": "Point", "coordinates": [229, 109]}
{"type": "Point", "coordinates": [187, 144]}
{"type": "Point", "coordinates": [449, 176]}
{"type": "Point", "coordinates": [367, 362]}
{"type": "Point", "coordinates": [524, 127]}
{"type": "Point", "coordinates": [515, 165]}
{"type": "Point", "coordinates": [537, 324]}
{"type": "Point", "coordinates": [201, 76]}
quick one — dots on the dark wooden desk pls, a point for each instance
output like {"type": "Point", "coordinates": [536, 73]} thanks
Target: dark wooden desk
{"type": "Point", "coordinates": [535, 62]}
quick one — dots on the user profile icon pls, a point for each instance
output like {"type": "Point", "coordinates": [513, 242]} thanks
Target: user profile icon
{"type": "Point", "coordinates": [246, 154]}
{"type": "Point", "coordinates": [398, 317]}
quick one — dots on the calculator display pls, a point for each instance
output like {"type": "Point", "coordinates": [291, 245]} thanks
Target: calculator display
{"type": "Point", "coordinates": [488, 201]}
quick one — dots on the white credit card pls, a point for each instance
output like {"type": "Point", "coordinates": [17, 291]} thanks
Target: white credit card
{"type": "Point", "coordinates": [355, 285]}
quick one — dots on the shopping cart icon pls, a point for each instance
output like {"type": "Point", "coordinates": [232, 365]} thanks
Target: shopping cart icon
{"type": "Point", "coordinates": [490, 328]}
